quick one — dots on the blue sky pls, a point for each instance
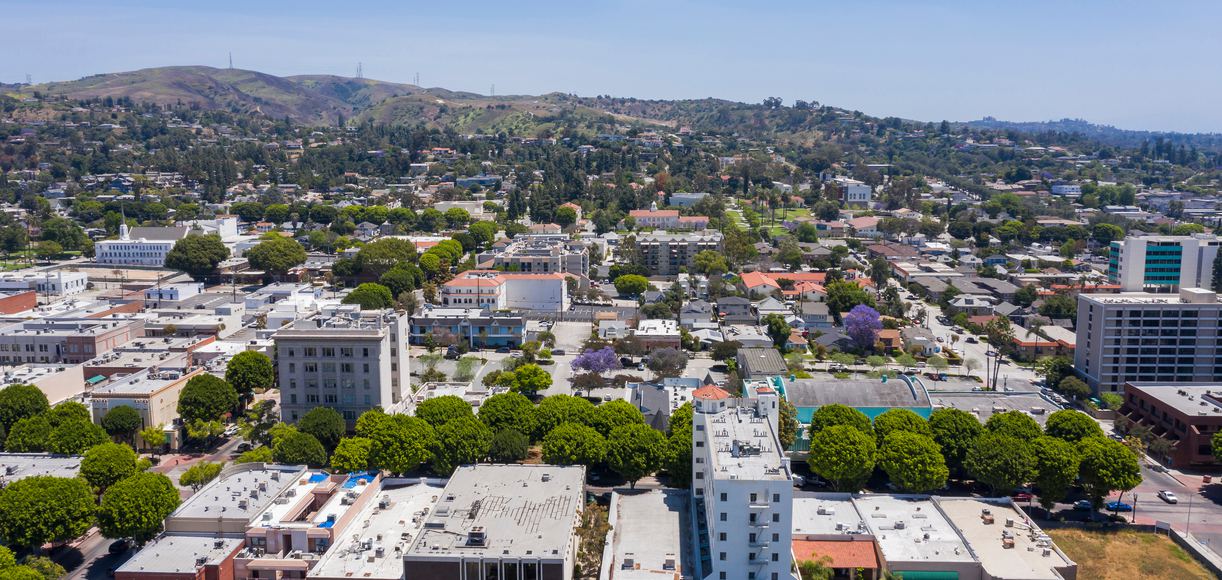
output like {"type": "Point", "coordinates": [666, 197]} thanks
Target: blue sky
{"type": "Point", "coordinates": [1139, 65]}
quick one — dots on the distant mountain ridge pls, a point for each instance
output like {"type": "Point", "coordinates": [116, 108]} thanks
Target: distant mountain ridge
{"type": "Point", "coordinates": [1103, 133]}
{"type": "Point", "coordinates": [329, 99]}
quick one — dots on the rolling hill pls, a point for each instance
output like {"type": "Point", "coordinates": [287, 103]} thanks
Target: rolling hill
{"type": "Point", "coordinates": [328, 99]}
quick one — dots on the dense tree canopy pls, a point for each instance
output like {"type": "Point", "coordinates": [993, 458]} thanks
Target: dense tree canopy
{"type": "Point", "coordinates": [837, 414]}
{"type": "Point", "coordinates": [614, 414]}
{"type": "Point", "coordinates": [105, 464]}
{"type": "Point", "coordinates": [325, 424]}
{"type": "Point", "coordinates": [913, 462]}
{"type": "Point", "coordinates": [461, 441]}
{"type": "Point", "coordinates": [249, 371]}
{"type": "Point", "coordinates": [955, 431]}
{"type": "Point", "coordinates": [842, 455]}
{"type": "Point", "coordinates": [122, 421]}
{"type": "Point", "coordinates": [20, 401]}
{"type": "Point", "coordinates": [1072, 426]}
{"type": "Point", "coordinates": [1106, 466]}
{"type": "Point", "coordinates": [300, 448]}
{"type": "Point", "coordinates": [1014, 424]}
{"type": "Point", "coordinates": [899, 420]}
{"type": "Point", "coordinates": [370, 296]}
{"type": "Point", "coordinates": [635, 450]}
{"type": "Point", "coordinates": [508, 411]}
{"type": "Point", "coordinates": [207, 398]}
{"type": "Point", "coordinates": [276, 256]}
{"type": "Point", "coordinates": [197, 255]}
{"type": "Point", "coordinates": [1002, 462]}
{"type": "Point", "coordinates": [136, 506]}
{"type": "Point", "coordinates": [557, 409]}
{"type": "Point", "coordinates": [352, 454]}
{"type": "Point", "coordinates": [40, 509]}
{"type": "Point", "coordinates": [574, 444]}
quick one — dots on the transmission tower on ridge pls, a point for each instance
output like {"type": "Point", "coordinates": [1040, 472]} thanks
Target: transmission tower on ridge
{"type": "Point", "coordinates": [231, 60]}
{"type": "Point", "coordinates": [360, 74]}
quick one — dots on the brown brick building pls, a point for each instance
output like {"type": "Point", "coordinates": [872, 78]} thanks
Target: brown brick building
{"type": "Point", "coordinates": [1185, 414]}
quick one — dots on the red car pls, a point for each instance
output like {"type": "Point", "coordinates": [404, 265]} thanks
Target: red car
{"type": "Point", "coordinates": [1022, 496]}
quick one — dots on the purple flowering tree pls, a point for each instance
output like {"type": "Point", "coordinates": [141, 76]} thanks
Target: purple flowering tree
{"type": "Point", "coordinates": [862, 324]}
{"type": "Point", "coordinates": [596, 361]}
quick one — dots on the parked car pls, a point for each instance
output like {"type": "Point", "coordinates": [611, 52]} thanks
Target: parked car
{"type": "Point", "coordinates": [1119, 506]}
{"type": "Point", "coordinates": [798, 480]}
{"type": "Point", "coordinates": [558, 352]}
{"type": "Point", "coordinates": [1083, 505]}
{"type": "Point", "coordinates": [245, 446]}
{"type": "Point", "coordinates": [119, 546]}
{"type": "Point", "coordinates": [1022, 496]}
{"type": "Point", "coordinates": [503, 349]}
{"type": "Point", "coordinates": [971, 340]}
{"type": "Point", "coordinates": [1168, 496]}
{"type": "Point", "coordinates": [452, 353]}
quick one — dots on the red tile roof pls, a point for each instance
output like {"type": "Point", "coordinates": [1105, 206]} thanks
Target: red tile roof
{"type": "Point", "coordinates": [710, 392]}
{"type": "Point", "coordinates": [843, 553]}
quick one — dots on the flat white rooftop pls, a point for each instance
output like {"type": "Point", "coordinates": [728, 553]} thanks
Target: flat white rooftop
{"type": "Point", "coordinates": [911, 529]}
{"type": "Point", "coordinates": [743, 446]}
{"type": "Point", "coordinates": [398, 523]}
{"type": "Point", "coordinates": [524, 511]}
{"type": "Point", "coordinates": [824, 515]}
{"type": "Point", "coordinates": [16, 466]}
{"type": "Point", "coordinates": [1032, 555]}
{"type": "Point", "coordinates": [241, 491]}
{"type": "Point", "coordinates": [650, 529]}
{"type": "Point", "coordinates": [181, 554]}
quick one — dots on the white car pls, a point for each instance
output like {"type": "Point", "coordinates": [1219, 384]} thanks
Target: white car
{"type": "Point", "coordinates": [1168, 496]}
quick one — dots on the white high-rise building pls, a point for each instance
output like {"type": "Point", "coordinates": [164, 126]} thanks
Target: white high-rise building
{"type": "Point", "coordinates": [1144, 337]}
{"type": "Point", "coordinates": [1153, 263]}
{"type": "Point", "coordinates": [742, 482]}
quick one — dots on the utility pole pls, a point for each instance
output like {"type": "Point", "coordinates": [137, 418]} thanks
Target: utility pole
{"type": "Point", "coordinates": [360, 74]}
{"type": "Point", "coordinates": [493, 92]}
{"type": "Point", "coordinates": [231, 60]}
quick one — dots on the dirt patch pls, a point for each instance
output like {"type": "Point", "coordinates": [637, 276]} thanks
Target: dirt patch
{"type": "Point", "coordinates": [1127, 554]}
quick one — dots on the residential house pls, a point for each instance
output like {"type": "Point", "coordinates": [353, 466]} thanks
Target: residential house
{"type": "Point", "coordinates": [735, 310]}
{"type": "Point", "coordinates": [695, 312]}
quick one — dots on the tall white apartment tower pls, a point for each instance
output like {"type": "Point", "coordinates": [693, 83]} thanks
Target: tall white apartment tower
{"type": "Point", "coordinates": [742, 484]}
{"type": "Point", "coordinates": [1163, 263]}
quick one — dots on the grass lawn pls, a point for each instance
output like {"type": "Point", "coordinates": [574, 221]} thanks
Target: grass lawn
{"type": "Point", "coordinates": [1126, 554]}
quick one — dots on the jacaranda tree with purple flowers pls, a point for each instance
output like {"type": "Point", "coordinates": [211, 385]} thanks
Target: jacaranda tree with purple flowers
{"type": "Point", "coordinates": [596, 361]}
{"type": "Point", "coordinates": [862, 325]}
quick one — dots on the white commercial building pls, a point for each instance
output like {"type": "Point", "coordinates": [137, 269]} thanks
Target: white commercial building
{"type": "Point", "coordinates": [58, 283]}
{"type": "Point", "coordinates": [1067, 189]}
{"type": "Point", "coordinates": [1143, 337]}
{"type": "Point", "coordinates": [539, 254]}
{"type": "Point", "coordinates": [743, 484]}
{"type": "Point", "coordinates": [173, 292]}
{"type": "Point", "coordinates": [139, 246]}
{"type": "Point", "coordinates": [1163, 262]}
{"type": "Point", "coordinates": [344, 358]}
{"type": "Point", "coordinates": [507, 290]}
{"type": "Point", "coordinates": [501, 521]}
{"type": "Point", "coordinates": [855, 192]}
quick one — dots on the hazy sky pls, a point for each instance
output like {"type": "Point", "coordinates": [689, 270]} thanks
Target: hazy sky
{"type": "Point", "coordinates": [1140, 65]}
